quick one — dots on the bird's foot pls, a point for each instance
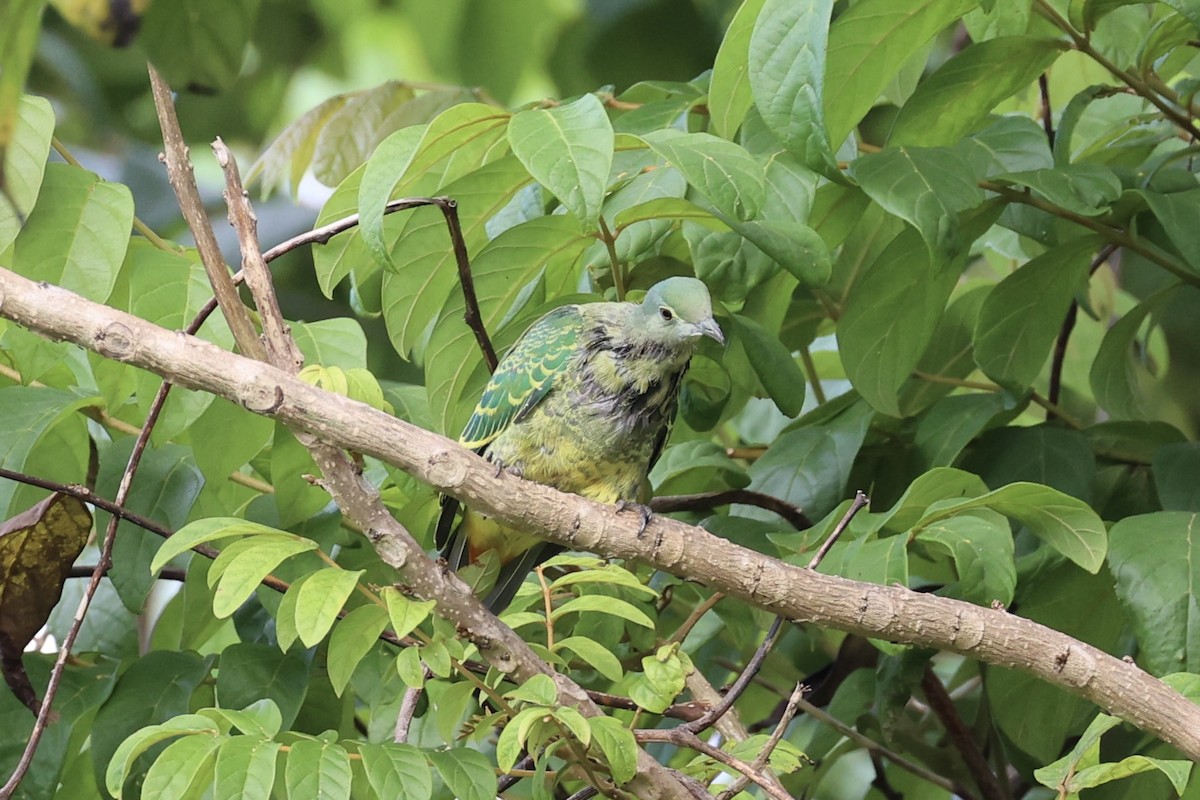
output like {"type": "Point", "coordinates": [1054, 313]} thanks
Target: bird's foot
{"type": "Point", "coordinates": [643, 511]}
{"type": "Point", "coordinates": [515, 470]}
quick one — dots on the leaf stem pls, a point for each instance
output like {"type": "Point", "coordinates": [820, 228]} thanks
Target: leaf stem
{"type": "Point", "coordinates": [610, 244]}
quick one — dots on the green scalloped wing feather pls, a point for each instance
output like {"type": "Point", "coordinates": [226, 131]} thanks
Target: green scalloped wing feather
{"type": "Point", "coordinates": [525, 375]}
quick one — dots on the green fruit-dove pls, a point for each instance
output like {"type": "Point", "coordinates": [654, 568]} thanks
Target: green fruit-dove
{"type": "Point", "coordinates": [583, 402]}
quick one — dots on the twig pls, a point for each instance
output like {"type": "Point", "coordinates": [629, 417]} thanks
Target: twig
{"type": "Point", "coordinates": [281, 349]}
{"type": "Point", "coordinates": [1064, 334]}
{"type": "Point", "coordinates": [875, 747]}
{"type": "Point", "coordinates": [681, 737]}
{"type": "Point", "coordinates": [881, 782]}
{"type": "Point", "coordinates": [548, 604]}
{"type": "Point", "coordinates": [735, 691]}
{"type": "Point", "coordinates": [408, 709]}
{"type": "Point", "coordinates": [747, 497]}
{"type": "Point", "coordinates": [1046, 114]}
{"type": "Point", "coordinates": [814, 378]}
{"type": "Point", "coordinates": [764, 756]}
{"type": "Point", "coordinates": [471, 316]}
{"type": "Point", "coordinates": [514, 775]}
{"type": "Point", "coordinates": [610, 244]}
{"type": "Point", "coordinates": [697, 613]}
{"type": "Point", "coordinates": [984, 386]}
{"type": "Point", "coordinates": [64, 651]}
{"type": "Point", "coordinates": [179, 172]}
{"type": "Point", "coordinates": [972, 756]}
{"type": "Point", "coordinates": [166, 574]}
{"type": "Point", "coordinates": [860, 500]}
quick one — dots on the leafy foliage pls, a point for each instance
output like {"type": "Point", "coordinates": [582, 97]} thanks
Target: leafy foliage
{"type": "Point", "coordinates": [953, 247]}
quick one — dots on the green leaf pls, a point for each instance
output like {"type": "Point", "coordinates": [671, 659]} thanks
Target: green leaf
{"type": "Point", "coordinates": [925, 186]}
{"type": "Point", "coordinates": [245, 769]}
{"type": "Point", "coordinates": [397, 771]}
{"type": "Point", "coordinates": [77, 234]}
{"type": "Point", "coordinates": [569, 150]}
{"type": "Point", "coordinates": [198, 44]}
{"type": "Point", "coordinates": [1177, 772]}
{"type": "Point", "coordinates": [404, 612]}
{"type": "Point", "coordinates": [34, 417]}
{"type": "Point", "coordinates": [1151, 557]}
{"type": "Point", "coordinates": [317, 769]}
{"type": "Point", "coordinates": [353, 637]}
{"type": "Point", "coordinates": [250, 561]}
{"type": "Point", "coordinates": [1175, 469]}
{"type": "Point", "coordinates": [19, 24]}
{"type": "Point", "coordinates": [319, 601]}
{"type": "Point", "coordinates": [209, 530]}
{"type": "Point", "coordinates": [956, 98]}
{"type": "Point", "coordinates": [787, 77]}
{"type": "Point", "coordinates": [618, 745]}
{"type": "Point", "coordinates": [795, 247]}
{"type": "Point", "coordinates": [950, 425]}
{"type": "Point", "coordinates": [1177, 213]}
{"type": "Point", "coordinates": [1120, 377]}
{"type": "Point", "coordinates": [723, 172]}
{"type": "Point", "coordinates": [1068, 525]}
{"type": "Point", "coordinates": [776, 368]}
{"type": "Point", "coordinates": [336, 343]}
{"type": "Point", "coordinates": [1084, 188]}
{"type": "Point", "coordinates": [606, 573]}
{"type": "Point", "coordinates": [138, 742]}
{"type": "Point", "coordinates": [865, 45]}
{"type": "Point", "coordinates": [595, 654]}
{"type": "Point", "coordinates": [427, 273]}
{"type": "Point", "coordinates": [604, 605]}
{"type": "Point", "coordinates": [262, 718]}
{"type": "Point", "coordinates": [729, 95]}
{"type": "Point", "coordinates": [383, 172]}
{"type": "Point", "coordinates": [183, 769]}
{"type": "Point", "coordinates": [933, 486]}
{"type": "Point", "coordinates": [225, 437]}
{"type": "Point", "coordinates": [288, 157]}
{"type": "Point", "coordinates": [1021, 316]}
{"type": "Point", "coordinates": [539, 689]}
{"type": "Point", "coordinates": [466, 773]}
{"type": "Point", "coordinates": [981, 546]}
{"type": "Point", "coordinates": [663, 678]}
{"type": "Point", "coordinates": [252, 673]}
{"type": "Point", "coordinates": [23, 155]}
{"type": "Point", "coordinates": [512, 739]}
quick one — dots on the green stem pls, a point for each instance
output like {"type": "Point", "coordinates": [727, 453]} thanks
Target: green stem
{"type": "Point", "coordinates": [610, 244]}
{"type": "Point", "coordinates": [810, 369]}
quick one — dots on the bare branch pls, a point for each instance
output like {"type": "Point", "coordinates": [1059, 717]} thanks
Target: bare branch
{"type": "Point", "coordinates": [860, 500]}
{"type": "Point", "coordinates": [747, 497]}
{"type": "Point", "coordinates": [681, 737]}
{"type": "Point", "coordinates": [752, 667]}
{"type": "Point", "coordinates": [945, 710]}
{"type": "Point", "coordinates": [773, 741]}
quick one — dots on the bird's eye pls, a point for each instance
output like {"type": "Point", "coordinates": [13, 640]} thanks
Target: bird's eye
{"type": "Point", "coordinates": [666, 313]}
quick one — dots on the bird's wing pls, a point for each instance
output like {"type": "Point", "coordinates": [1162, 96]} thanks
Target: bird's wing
{"type": "Point", "coordinates": [525, 376]}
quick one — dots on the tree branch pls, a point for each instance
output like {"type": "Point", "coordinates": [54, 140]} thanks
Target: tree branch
{"type": "Point", "coordinates": [890, 612]}
{"type": "Point", "coordinates": [704, 501]}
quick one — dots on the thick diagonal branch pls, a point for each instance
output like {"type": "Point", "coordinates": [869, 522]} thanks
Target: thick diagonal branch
{"type": "Point", "coordinates": [887, 612]}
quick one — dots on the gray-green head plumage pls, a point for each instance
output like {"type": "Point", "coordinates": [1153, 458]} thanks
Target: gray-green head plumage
{"type": "Point", "coordinates": [678, 311]}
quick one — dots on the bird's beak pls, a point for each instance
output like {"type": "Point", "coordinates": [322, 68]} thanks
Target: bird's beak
{"type": "Point", "coordinates": [710, 329]}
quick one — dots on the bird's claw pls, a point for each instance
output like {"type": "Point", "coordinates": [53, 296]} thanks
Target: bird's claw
{"type": "Point", "coordinates": [643, 511]}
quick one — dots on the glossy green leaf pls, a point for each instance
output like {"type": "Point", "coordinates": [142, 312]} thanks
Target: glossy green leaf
{"type": "Point", "coordinates": [252, 673]}
{"type": "Point", "coordinates": [1175, 469]}
{"type": "Point", "coordinates": [776, 368]}
{"type": "Point", "coordinates": [957, 97]}
{"type": "Point", "coordinates": [1151, 557]}
{"type": "Point", "coordinates": [951, 424]}
{"type": "Point", "coordinates": [1068, 525]}
{"type": "Point", "coordinates": [980, 544]}
{"type": "Point", "coordinates": [794, 246]}
{"type": "Point", "coordinates": [404, 612]}
{"type": "Point", "coordinates": [319, 601]}
{"type": "Point", "coordinates": [383, 171]}
{"type": "Point", "coordinates": [317, 769]}
{"type": "Point", "coordinates": [1083, 188]}
{"type": "Point", "coordinates": [353, 637]}
{"type": "Point", "coordinates": [255, 558]}
{"type": "Point", "coordinates": [618, 745]}
{"type": "Point", "coordinates": [787, 78]}
{"type": "Point", "coordinates": [209, 530]}
{"type": "Point", "coordinates": [604, 605]}
{"type": "Point", "coordinates": [934, 486]}
{"type": "Point", "coordinates": [1120, 377]}
{"type": "Point", "coordinates": [24, 157]}
{"type": "Point", "coordinates": [262, 718]}
{"type": "Point", "coordinates": [729, 96]}
{"type": "Point", "coordinates": [184, 769]}
{"type": "Point", "coordinates": [199, 44]}
{"type": "Point", "coordinates": [466, 773]}
{"type": "Point", "coordinates": [865, 45]}
{"type": "Point", "coordinates": [595, 654]}
{"type": "Point", "coordinates": [245, 769]}
{"type": "Point", "coordinates": [1022, 315]}
{"type": "Point", "coordinates": [142, 739]}
{"type": "Point", "coordinates": [19, 24]}
{"type": "Point", "coordinates": [926, 187]}
{"type": "Point", "coordinates": [32, 418]}
{"type": "Point", "coordinates": [1177, 212]}
{"type": "Point", "coordinates": [723, 172]}
{"type": "Point", "coordinates": [569, 150]}
{"type": "Point", "coordinates": [397, 771]}
{"type": "Point", "coordinates": [77, 234]}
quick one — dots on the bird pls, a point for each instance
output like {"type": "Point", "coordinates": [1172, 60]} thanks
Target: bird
{"type": "Point", "coordinates": [583, 402]}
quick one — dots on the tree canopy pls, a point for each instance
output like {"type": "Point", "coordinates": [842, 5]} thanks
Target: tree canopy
{"type": "Point", "coordinates": [924, 526]}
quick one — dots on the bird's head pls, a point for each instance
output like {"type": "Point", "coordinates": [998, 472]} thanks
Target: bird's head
{"type": "Point", "coordinates": [679, 311]}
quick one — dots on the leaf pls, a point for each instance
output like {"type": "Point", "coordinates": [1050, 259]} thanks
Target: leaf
{"type": "Point", "coordinates": [663, 678]}
{"type": "Point", "coordinates": [19, 24]}
{"type": "Point", "coordinates": [186, 764]}
{"type": "Point", "coordinates": [198, 44]}
{"type": "Point", "coordinates": [950, 425]}
{"type": "Point", "coordinates": [569, 150]}
{"type": "Point", "coordinates": [262, 718]}
{"type": "Point", "coordinates": [618, 745]}
{"type": "Point", "coordinates": [289, 155]}
{"type": "Point", "coordinates": [317, 769]}
{"type": "Point", "coordinates": [319, 601]}
{"type": "Point", "coordinates": [724, 173]}
{"type": "Point", "coordinates": [404, 612]}
{"type": "Point", "coordinates": [925, 186]}
{"type": "Point", "coordinates": [355, 129]}
{"type": "Point", "coordinates": [729, 95]}
{"type": "Point", "coordinates": [23, 154]}
{"type": "Point", "coordinates": [952, 101]}
{"type": "Point", "coordinates": [353, 637]}
{"type": "Point", "coordinates": [513, 738]}
{"type": "Point", "coordinates": [34, 416]}
{"type": "Point", "coordinates": [776, 368]}
{"type": "Point", "coordinates": [595, 654]}
{"type": "Point", "coordinates": [1151, 557]}
{"type": "Point", "coordinates": [1175, 467]}
{"type": "Point", "coordinates": [787, 65]}
{"type": "Point", "coordinates": [1085, 188]}
{"type": "Point", "coordinates": [141, 740]}
{"type": "Point", "coordinates": [397, 771]}
{"type": "Point", "coordinates": [245, 769]}
{"type": "Point", "coordinates": [1022, 315]}
{"type": "Point", "coordinates": [1177, 213]}
{"type": "Point", "coordinates": [539, 690]}
{"type": "Point", "coordinates": [466, 773]}
{"type": "Point", "coordinates": [604, 605]}
{"type": "Point", "coordinates": [256, 558]}
{"type": "Point", "coordinates": [77, 233]}
{"type": "Point", "coordinates": [795, 247]}
{"type": "Point", "coordinates": [981, 546]}
{"type": "Point", "coordinates": [209, 530]}
{"type": "Point", "coordinates": [931, 487]}
{"type": "Point", "coordinates": [610, 574]}
{"type": "Point", "coordinates": [1068, 525]}
{"type": "Point", "coordinates": [866, 42]}
{"type": "Point", "coordinates": [256, 673]}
